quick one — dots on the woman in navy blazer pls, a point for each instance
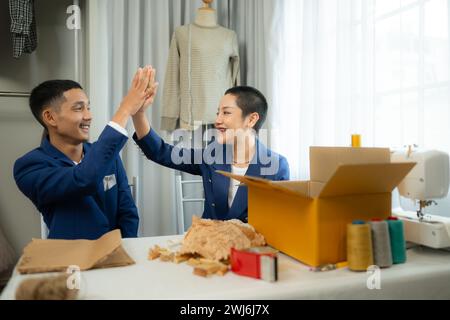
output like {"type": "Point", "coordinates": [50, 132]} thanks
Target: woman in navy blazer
{"type": "Point", "coordinates": [235, 148]}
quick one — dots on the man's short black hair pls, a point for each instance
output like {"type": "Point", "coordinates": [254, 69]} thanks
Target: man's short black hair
{"type": "Point", "coordinates": [47, 93]}
{"type": "Point", "coordinates": [250, 100]}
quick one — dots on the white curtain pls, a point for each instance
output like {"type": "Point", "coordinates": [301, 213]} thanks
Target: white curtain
{"type": "Point", "coordinates": [322, 92]}
{"type": "Point", "coordinates": [126, 34]}
{"type": "Point", "coordinates": [378, 68]}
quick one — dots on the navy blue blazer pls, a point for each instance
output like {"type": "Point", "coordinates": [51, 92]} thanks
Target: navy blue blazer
{"type": "Point", "coordinates": [216, 185]}
{"type": "Point", "coordinates": [81, 201]}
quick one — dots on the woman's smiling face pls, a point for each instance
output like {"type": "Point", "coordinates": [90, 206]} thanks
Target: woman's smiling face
{"type": "Point", "coordinates": [230, 121]}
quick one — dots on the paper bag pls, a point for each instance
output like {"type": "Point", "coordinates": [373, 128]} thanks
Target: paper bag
{"type": "Point", "coordinates": [46, 255]}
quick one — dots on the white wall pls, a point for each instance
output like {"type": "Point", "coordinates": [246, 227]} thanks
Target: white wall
{"type": "Point", "coordinates": [19, 132]}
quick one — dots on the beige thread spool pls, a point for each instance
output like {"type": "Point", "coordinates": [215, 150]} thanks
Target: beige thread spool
{"type": "Point", "coordinates": [359, 246]}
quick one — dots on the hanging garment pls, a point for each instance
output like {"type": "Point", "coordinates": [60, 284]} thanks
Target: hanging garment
{"type": "Point", "coordinates": [203, 63]}
{"type": "Point", "coordinates": [23, 26]}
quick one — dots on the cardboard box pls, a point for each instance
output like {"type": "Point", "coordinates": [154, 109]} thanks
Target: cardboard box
{"type": "Point", "coordinates": [324, 161]}
{"type": "Point", "coordinates": [307, 220]}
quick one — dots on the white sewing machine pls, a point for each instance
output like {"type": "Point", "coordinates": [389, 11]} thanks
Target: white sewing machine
{"type": "Point", "coordinates": [427, 181]}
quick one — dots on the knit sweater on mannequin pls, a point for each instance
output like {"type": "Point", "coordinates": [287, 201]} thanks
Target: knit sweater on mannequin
{"type": "Point", "coordinates": [203, 63]}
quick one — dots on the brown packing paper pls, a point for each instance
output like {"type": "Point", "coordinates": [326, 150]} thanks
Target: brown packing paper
{"type": "Point", "coordinates": [57, 255]}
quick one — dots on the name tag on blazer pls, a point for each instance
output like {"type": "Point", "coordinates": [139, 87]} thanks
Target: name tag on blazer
{"type": "Point", "coordinates": [109, 182]}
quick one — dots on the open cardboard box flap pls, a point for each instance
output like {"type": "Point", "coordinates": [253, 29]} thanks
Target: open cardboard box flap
{"type": "Point", "coordinates": [347, 180]}
{"type": "Point", "coordinates": [365, 179]}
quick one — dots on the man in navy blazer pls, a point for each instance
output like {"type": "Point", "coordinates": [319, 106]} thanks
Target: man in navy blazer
{"type": "Point", "coordinates": [236, 149]}
{"type": "Point", "coordinates": [81, 189]}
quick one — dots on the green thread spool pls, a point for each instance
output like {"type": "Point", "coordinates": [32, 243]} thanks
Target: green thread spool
{"type": "Point", "coordinates": [397, 235]}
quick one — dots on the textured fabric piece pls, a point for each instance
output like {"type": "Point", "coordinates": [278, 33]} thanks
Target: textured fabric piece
{"type": "Point", "coordinates": [46, 288]}
{"type": "Point", "coordinates": [203, 63]}
{"type": "Point", "coordinates": [23, 26]}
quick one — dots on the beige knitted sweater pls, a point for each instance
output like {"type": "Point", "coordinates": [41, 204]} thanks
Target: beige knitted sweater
{"type": "Point", "coordinates": [203, 63]}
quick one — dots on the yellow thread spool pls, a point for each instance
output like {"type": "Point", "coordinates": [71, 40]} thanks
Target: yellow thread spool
{"type": "Point", "coordinates": [356, 140]}
{"type": "Point", "coordinates": [359, 247]}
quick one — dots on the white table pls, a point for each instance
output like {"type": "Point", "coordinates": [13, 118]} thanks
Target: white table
{"type": "Point", "coordinates": [426, 275]}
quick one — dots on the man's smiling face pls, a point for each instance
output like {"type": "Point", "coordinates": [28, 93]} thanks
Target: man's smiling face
{"type": "Point", "coordinates": [73, 117]}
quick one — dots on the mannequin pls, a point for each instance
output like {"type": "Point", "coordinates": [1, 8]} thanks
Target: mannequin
{"type": "Point", "coordinates": [206, 16]}
{"type": "Point", "coordinates": [203, 63]}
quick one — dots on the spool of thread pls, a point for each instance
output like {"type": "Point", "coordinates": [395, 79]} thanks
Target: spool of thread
{"type": "Point", "coordinates": [398, 245]}
{"type": "Point", "coordinates": [359, 246]}
{"type": "Point", "coordinates": [381, 243]}
{"type": "Point", "coordinates": [356, 140]}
